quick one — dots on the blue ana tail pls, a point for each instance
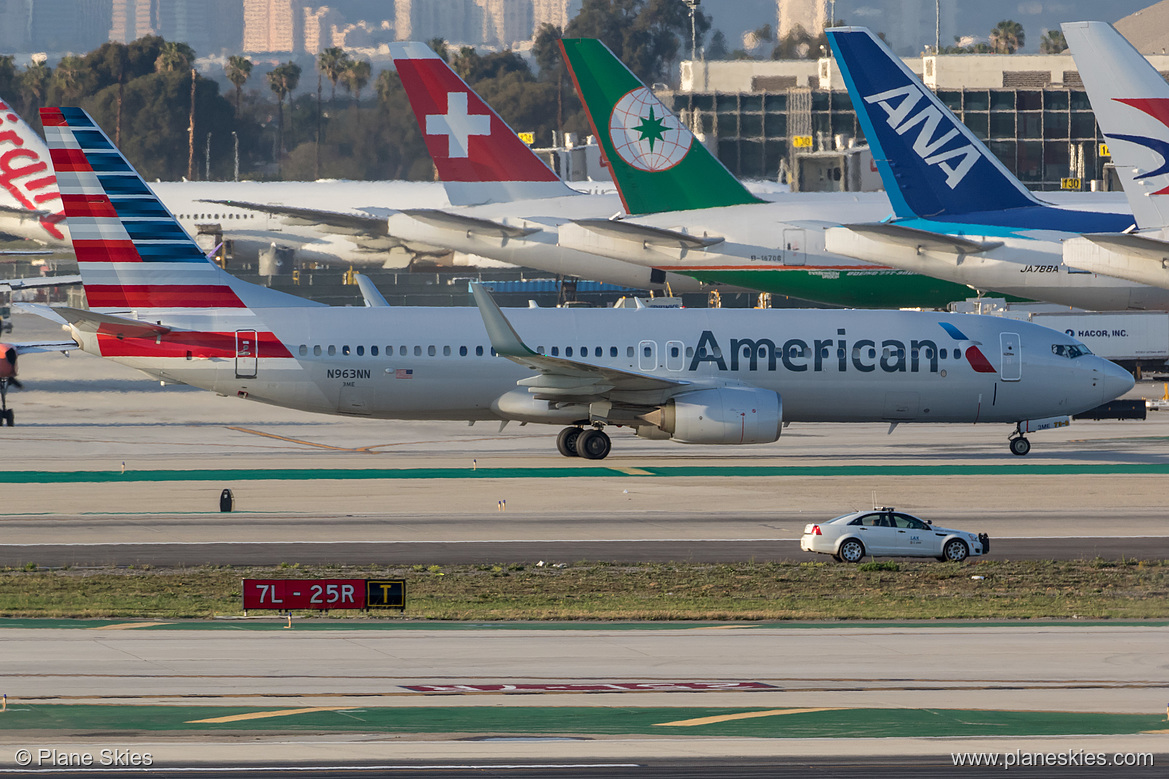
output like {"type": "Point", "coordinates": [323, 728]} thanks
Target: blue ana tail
{"type": "Point", "coordinates": [931, 164]}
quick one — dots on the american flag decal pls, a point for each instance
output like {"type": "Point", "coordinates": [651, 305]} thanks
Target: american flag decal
{"type": "Point", "coordinates": [404, 373]}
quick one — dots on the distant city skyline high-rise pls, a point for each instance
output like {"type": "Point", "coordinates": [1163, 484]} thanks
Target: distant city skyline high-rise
{"type": "Point", "coordinates": [297, 27]}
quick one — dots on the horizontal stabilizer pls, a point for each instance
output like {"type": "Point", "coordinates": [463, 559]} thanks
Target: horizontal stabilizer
{"type": "Point", "coordinates": [1139, 258]}
{"type": "Point", "coordinates": [649, 236]}
{"type": "Point", "coordinates": [8, 285]}
{"type": "Point", "coordinates": [39, 347]}
{"type": "Point", "coordinates": [921, 240]}
{"type": "Point", "coordinates": [445, 220]}
{"type": "Point", "coordinates": [110, 324]}
{"type": "Point", "coordinates": [1134, 245]}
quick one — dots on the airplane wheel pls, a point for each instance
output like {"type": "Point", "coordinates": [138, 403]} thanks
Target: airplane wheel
{"type": "Point", "coordinates": [566, 441]}
{"type": "Point", "coordinates": [9, 417]}
{"type": "Point", "coordinates": [593, 445]}
{"type": "Point", "coordinates": [1020, 446]}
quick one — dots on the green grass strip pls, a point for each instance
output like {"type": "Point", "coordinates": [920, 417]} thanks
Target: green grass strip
{"type": "Point", "coordinates": [582, 720]}
{"type": "Point", "coordinates": [325, 624]}
{"type": "Point", "coordinates": [599, 471]}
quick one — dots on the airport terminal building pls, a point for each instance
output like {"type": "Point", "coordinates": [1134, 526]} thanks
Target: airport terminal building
{"type": "Point", "coordinates": [1031, 110]}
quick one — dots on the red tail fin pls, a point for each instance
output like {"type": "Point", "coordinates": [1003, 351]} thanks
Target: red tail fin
{"type": "Point", "coordinates": [479, 158]}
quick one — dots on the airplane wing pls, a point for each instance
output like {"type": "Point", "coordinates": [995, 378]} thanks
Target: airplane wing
{"type": "Point", "coordinates": [561, 379]}
{"type": "Point", "coordinates": [347, 223]}
{"type": "Point", "coordinates": [92, 321]}
{"type": "Point", "coordinates": [921, 240]}
{"type": "Point", "coordinates": [467, 224]}
{"type": "Point", "coordinates": [8, 285]}
{"type": "Point", "coordinates": [646, 235]}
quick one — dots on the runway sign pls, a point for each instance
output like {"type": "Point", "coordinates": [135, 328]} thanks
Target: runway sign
{"type": "Point", "coordinates": [323, 594]}
{"type": "Point", "coordinates": [385, 594]}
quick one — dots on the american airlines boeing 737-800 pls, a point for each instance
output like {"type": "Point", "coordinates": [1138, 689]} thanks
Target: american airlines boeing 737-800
{"type": "Point", "coordinates": [711, 376]}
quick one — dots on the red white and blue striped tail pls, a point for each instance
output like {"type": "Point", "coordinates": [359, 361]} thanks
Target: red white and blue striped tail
{"type": "Point", "coordinates": [132, 252]}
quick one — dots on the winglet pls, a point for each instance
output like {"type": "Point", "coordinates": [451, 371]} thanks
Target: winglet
{"type": "Point", "coordinates": [504, 339]}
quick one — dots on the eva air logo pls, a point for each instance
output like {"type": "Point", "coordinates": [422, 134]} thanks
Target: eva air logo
{"type": "Point", "coordinates": [645, 134]}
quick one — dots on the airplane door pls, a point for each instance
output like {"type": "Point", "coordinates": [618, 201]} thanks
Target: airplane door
{"type": "Point", "coordinates": [1012, 367]}
{"type": "Point", "coordinates": [675, 355]}
{"type": "Point", "coordinates": [247, 352]}
{"type": "Point", "coordinates": [647, 355]}
{"type": "Point", "coordinates": [793, 247]}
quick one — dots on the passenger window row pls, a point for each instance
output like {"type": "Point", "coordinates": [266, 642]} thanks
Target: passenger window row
{"type": "Point", "coordinates": [360, 351]}
{"type": "Point", "coordinates": [216, 216]}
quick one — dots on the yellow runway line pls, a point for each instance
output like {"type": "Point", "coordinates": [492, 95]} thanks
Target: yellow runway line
{"type": "Point", "coordinates": [267, 714]}
{"type": "Point", "coordinates": [289, 440]}
{"type": "Point", "coordinates": [128, 625]}
{"type": "Point", "coordinates": [725, 627]}
{"type": "Point", "coordinates": [688, 723]}
{"type": "Point", "coordinates": [632, 471]}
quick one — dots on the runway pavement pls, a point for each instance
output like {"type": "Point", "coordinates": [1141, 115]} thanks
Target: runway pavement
{"type": "Point", "coordinates": [105, 468]}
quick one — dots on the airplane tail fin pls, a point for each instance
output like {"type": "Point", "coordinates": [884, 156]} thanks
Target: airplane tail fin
{"type": "Point", "coordinates": [1131, 101]}
{"type": "Point", "coordinates": [479, 158]}
{"type": "Point", "coordinates": [26, 175]}
{"type": "Point", "coordinates": [931, 164]}
{"type": "Point", "coordinates": [657, 164]}
{"type": "Point", "coordinates": [132, 253]}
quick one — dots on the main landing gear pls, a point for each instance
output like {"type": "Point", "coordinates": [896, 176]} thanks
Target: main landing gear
{"type": "Point", "coordinates": [591, 444]}
{"type": "Point", "coordinates": [7, 417]}
{"type": "Point", "coordinates": [1019, 445]}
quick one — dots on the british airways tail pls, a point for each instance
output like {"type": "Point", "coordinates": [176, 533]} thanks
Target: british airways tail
{"type": "Point", "coordinates": [1131, 101]}
{"type": "Point", "coordinates": [133, 255]}
{"type": "Point", "coordinates": [479, 158]}
{"type": "Point", "coordinates": [931, 164]}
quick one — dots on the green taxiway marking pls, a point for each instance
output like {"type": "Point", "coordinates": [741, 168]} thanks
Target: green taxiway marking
{"type": "Point", "coordinates": [316, 474]}
{"type": "Point", "coordinates": [599, 720]}
{"type": "Point", "coordinates": [278, 623]}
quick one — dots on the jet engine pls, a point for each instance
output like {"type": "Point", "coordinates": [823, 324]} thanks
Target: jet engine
{"type": "Point", "coordinates": [727, 415]}
{"type": "Point", "coordinates": [8, 363]}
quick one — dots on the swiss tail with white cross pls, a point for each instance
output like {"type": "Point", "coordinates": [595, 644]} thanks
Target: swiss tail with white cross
{"type": "Point", "coordinates": [479, 158]}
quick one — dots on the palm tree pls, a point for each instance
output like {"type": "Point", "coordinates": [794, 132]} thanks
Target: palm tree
{"type": "Point", "coordinates": [69, 79]}
{"type": "Point", "coordinates": [333, 63]}
{"type": "Point", "coordinates": [239, 70]}
{"type": "Point", "coordinates": [34, 83]}
{"type": "Point", "coordinates": [1053, 42]}
{"type": "Point", "coordinates": [282, 80]}
{"type": "Point", "coordinates": [1007, 37]}
{"type": "Point", "coordinates": [174, 58]}
{"type": "Point", "coordinates": [356, 77]}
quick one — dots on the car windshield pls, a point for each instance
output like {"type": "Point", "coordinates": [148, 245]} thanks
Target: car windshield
{"type": "Point", "coordinates": [1071, 351]}
{"type": "Point", "coordinates": [842, 516]}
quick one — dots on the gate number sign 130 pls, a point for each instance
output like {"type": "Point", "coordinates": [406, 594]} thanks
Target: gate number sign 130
{"type": "Point", "coordinates": [324, 594]}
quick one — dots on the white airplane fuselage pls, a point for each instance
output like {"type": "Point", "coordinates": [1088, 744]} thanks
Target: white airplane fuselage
{"type": "Point", "coordinates": [1027, 264]}
{"type": "Point", "coordinates": [436, 363]}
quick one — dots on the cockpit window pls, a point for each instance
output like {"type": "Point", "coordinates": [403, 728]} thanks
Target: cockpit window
{"type": "Point", "coordinates": [1071, 351]}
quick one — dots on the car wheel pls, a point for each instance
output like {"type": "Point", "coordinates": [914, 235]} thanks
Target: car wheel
{"type": "Point", "coordinates": [955, 550]}
{"type": "Point", "coordinates": [852, 551]}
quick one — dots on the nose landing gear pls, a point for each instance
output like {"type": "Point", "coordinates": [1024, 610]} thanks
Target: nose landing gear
{"type": "Point", "coordinates": [1020, 446]}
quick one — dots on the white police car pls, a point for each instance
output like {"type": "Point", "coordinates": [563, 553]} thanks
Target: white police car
{"type": "Point", "coordinates": [886, 532]}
